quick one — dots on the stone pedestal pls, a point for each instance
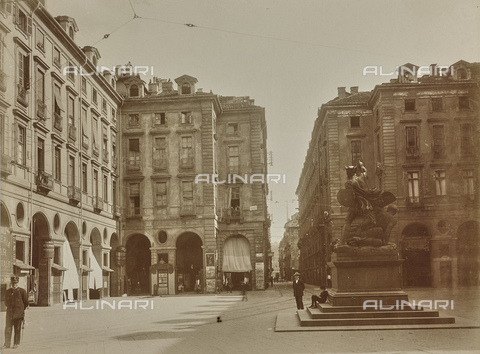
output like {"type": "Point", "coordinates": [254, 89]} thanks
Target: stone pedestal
{"type": "Point", "coordinates": [366, 273]}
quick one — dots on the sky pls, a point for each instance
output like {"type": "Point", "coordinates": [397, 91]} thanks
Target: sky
{"type": "Point", "coordinates": [288, 55]}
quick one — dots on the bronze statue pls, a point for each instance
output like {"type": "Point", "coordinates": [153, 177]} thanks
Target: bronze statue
{"type": "Point", "coordinates": [370, 203]}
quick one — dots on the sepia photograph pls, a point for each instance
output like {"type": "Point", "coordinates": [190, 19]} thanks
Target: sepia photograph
{"type": "Point", "coordinates": [240, 176]}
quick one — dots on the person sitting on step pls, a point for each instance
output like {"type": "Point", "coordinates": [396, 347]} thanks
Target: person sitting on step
{"type": "Point", "coordinates": [320, 299]}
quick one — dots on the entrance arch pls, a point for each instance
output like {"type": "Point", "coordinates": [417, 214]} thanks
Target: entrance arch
{"type": "Point", "coordinates": [138, 261]}
{"type": "Point", "coordinates": [189, 261]}
{"type": "Point", "coordinates": [237, 265]}
{"type": "Point", "coordinates": [43, 271]}
{"type": "Point", "coordinates": [416, 252]}
{"type": "Point", "coordinates": [468, 253]}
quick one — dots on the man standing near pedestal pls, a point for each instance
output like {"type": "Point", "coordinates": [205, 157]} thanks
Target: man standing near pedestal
{"type": "Point", "coordinates": [16, 301]}
{"type": "Point", "coordinates": [298, 287]}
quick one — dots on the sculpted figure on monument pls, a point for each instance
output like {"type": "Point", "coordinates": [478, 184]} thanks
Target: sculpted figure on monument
{"type": "Point", "coordinates": [369, 203]}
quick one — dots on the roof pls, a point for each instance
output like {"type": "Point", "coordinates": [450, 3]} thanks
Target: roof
{"type": "Point", "coordinates": [356, 98]}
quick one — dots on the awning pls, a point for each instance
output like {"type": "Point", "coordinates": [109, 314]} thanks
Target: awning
{"type": "Point", "coordinates": [70, 276]}
{"type": "Point", "coordinates": [106, 269]}
{"type": "Point", "coordinates": [18, 263]}
{"type": "Point", "coordinates": [96, 278]}
{"type": "Point", "coordinates": [86, 269]}
{"type": "Point", "coordinates": [59, 267]}
{"type": "Point", "coordinates": [58, 101]}
{"type": "Point", "coordinates": [236, 255]}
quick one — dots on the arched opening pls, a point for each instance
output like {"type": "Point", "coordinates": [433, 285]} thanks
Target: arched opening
{"type": "Point", "coordinates": [237, 265]}
{"type": "Point", "coordinates": [7, 251]}
{"type": "Point", "coordinates": [71, 253]}
{"type": "Point", "coordinates": [468, 254]}
{"type": "Point", "coordinates": [186, 89]}
{"type": "Point", "coordinates": [41, 257]}
{"type": "Point", "coordinates": [138, 261]}
{"type": "Point", "coordinates": [189, 262]}
{"type": "Point", "coordinates": [95, 283]}
{"type": "Point", "coordinates": [133, 91]}
{"type": "Point", "coordinates": [416, 253]}
{"type": "Point", "coordinates": [115, 282]}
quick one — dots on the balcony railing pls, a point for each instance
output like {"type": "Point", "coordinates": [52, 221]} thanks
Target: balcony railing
{"type": "Point", "coordinates": [74, 194]}
{"type": "Point", "coordinates": [187, 210]}
{"type": "Point", "coordinates": [232, 214]}
{"type": "Point", "coordinates": [57, 122]}
{"type": "Point", "coordinates": [85, 141]}
{"type": "Point", "coordinates": [97, 204]}
{"type": "Point", "coordinates": [41, 110]}
{"type": "Point", "coordinates": [3, 81]}
{"type": "Point", "coordinates": [6, 165]}
{"type": "Point", "coordinates": [72, 132]}
{"type": "Point", "coordinates": [22, 95]}
{"type": "Point", "coordinates": [44, 181]}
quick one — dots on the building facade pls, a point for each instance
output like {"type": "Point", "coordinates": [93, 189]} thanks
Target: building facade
{"type": "Point", "coordinates": [188, 224]}
{"type": "Point", "coordinates": [289, 252]}
{"type": "Point", "coordinates": [418, 138]}
{"type": "Point", "coordinates": [58, 162]}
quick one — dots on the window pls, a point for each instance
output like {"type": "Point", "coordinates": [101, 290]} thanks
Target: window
{"type": "Point", "coordinates": [95, 183]}
{"type": "Point", "coordinates": [232, 128]}
{"type": "Point", "coordinates": [437, 104]}
{"type": "Point", "coordinates": [84, 85]}
{"type": "Point", "coordinates": [105, 188]}
{"type": "Point", "coordinates": [133, 91]}
{"type": "Point", "coordinates": [40, 94]}
{"type": "Point", "coordinates": [57, 108]}
{"type": "Point", "coordinates": [235, 198]}
{"type": "Point", "coordinates": [94, 135]}
{"type": "Point", "coordinates": [104, 106]}
{"type": "Point", "coordinates": [186, 89]}
{"type": "Point", "coordinates": [20, 250]}
{"type": "Point", "coordinates": [233, 159]}
{"type": "Point", "coordinates": [355, 122]}
{"type": "Point", "coordinates": [356, 146]}
{"type": "Point", "coordinates": [187, 197]}
{"type": "Point", "coordinates": [413, 187]}
{"type": "Point", "coordinates": [440, 183]}
{"type": "Point", "coordinates": [160, 119]}
{"type": "Point", "coordinates": [411, 141]}
{"type": "Point", "coordinates": [85, 139]}
{"type": "Point", "coordinates": [186, 152]}
{"type": "Point", "coordinates": [84, 178]}
{"type": "Point", "coordinates": [71, 171]}
{"type": "Point", "coordinates": [438, 141]}
{"type": "Point", "coordinates": [40, 40]}
{"type": "Point", "coordinates": [23, 21]}
{"type": "Point", "coordinates": [379, 148]}
{"type": "Point", "coordinates": [161, 194]}
{"type": "Point", "coordinates": [23, 78]}
{"type": "Point", "coordinates": [466, 142]}
{"type": "Point", "coordinates": [409, 105]}
{"type": "Point", "coordinates": [186, 117]}
{"type": "Point", "coordinates": [160, 153]}
{"type": "Point", "coordinates": [71, 75]}
{"type": "Point", "coordinates": [58, 164]}
{"type": "Point", "coordinates": [114, 115]}
{"type": "Point", "coordinates": [468, 184]}
{"type": "Point", "coordinates": [134, 120]}
{"type": "Point", "coordinates": [463, 102]}
{"type": "Point", "coordinates": [56, 255]}
{"type": "Point", "coordinates": [462, 74]}
{"type": "Point", "coordinates": [134, 194]}
{"type": "Point", "coordinates": [85, 258]}
{"type": "Point", "coordinates": [71, 111]}
{"type": "Point", "coordinates": [94, 96]}
{"type": "Point", "coordinates": [40, 155]}
{"type": "Point", "coordinates": [56, 57]}
{"type": "Point", "coordinates": [21, 145]}
{"type": "Point", "coordinates": [134, 153]}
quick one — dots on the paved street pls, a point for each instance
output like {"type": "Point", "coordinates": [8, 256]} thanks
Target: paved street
{"type": "Point", "coordinates": [188, 324]}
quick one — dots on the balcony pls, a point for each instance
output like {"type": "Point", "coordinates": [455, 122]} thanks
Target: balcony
{"type": "Point", "coordinates": [22, 95]}
{"type": "Point", "coordinates": [85, 142]}
{"type": "Point", "coordinates": [41, 111]}
{"type": "Point", "coordinates": [95, 149]}
{"type": "Point", "coordinates": [3, 81]}
{"type": "Point", "coordinates": [44, 182]}
{"type": "Point", "coordinates": [6, 165]}
{"type": "Point", "coordinates": [97, 204]}
{"type": "Point", "coordinates": [72, 132]}
{"type": "Point", "coordinates": [105, 156]}
{"type": "Point", "coordinates": [232, 215]}
{"type": "Point", "coordinates": [57, 122]}
{"type": "Point", "coordinates": [187, 210]}
{"type": "Point", "coordinates": [74, 195]}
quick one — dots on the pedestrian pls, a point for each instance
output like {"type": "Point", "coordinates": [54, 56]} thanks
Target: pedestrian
{"type": "Point", "coordinates": [298, 287]}
{"type": "Point", "coordinates": [320, 299]}
{"type": "Point", "coordinates": [243, 286]}
{"type": "Point", "coordinates": [16, 300]}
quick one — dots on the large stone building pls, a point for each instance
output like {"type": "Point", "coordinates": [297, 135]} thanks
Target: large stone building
{"type": "Point", "coordinates": [91, 198]}
{"type": "Point", "coordinates": [58, 163]}
{"type": "Point", "coordinates": [418, 138]}
{"type": "Point", "coordinates": [184, 227]}
{"type": "Point", "coordinates": [289, 253]}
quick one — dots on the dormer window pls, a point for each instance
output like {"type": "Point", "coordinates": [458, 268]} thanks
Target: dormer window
{"type": "Point", "coordinates": [94, 60]}
{"type": "Point", "coordinates": [186, 89]}
{"type": "Point", "coordinates": [462, 74]}
{"type": "Point", "coordinates": [71, 32]}
{"type": "Point", "coordinates": [134, 91]}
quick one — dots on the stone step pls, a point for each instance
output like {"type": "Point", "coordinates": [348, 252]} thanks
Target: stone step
{"type": "Point", "coordinates": [317, 314]}
{"type": "Point", "coordinates": [307, 321]}
{"type": "Point", "coordinates": [327, 308]}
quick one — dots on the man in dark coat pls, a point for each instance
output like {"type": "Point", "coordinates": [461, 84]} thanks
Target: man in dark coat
{"type": "Point", "coordinates": [16, 301]}
{"type": "Point", "coordinates": [298, 287]}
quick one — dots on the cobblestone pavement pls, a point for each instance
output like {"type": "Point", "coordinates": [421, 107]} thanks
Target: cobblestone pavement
{"type": "Point", "coordinates": [188, 324]}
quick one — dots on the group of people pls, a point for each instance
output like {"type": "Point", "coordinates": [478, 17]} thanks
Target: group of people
{"type": "Point", "coordinates": [299, 287]}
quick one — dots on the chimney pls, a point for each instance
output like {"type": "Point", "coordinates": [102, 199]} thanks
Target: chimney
{"type": "Point", "coordinates": [342, 93]}
{"type": "Point", "coordinates": [200, 90]}
{"type": "Point", "coordinates": [167, 86]}
{"type": "Point", "coordinates": [153, 86]}
{"type": "Point", "coordinates": [354, 89]}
